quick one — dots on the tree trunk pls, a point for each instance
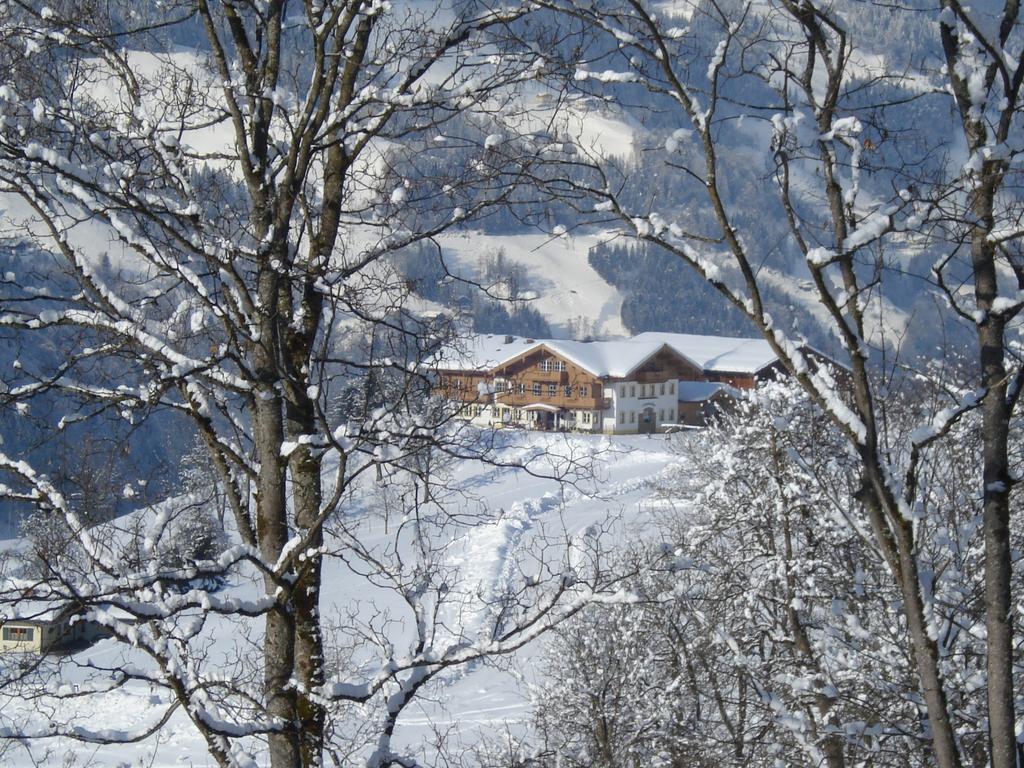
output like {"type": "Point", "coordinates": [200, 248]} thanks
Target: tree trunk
{"type": "Point", "coordinates": [895, 537]}
{"type": "Point", "coordinates": [309, 654]}
{"type": "Point", "coordinates": [983, 186]}
{"type": "Point", "coordinates": [925, 651]}
{"type": "Point", "coordinates": [272, 531]}
{"type": "Point", "coordinates": [996, 478]}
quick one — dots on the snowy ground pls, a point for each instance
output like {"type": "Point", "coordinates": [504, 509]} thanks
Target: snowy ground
{"type": "Point", "coordinates": [472, 702]}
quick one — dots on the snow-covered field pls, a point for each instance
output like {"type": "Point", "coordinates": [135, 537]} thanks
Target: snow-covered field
{"type": "Point", "coordinates": [470, 702]}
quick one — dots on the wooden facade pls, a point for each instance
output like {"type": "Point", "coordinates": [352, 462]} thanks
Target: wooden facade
{"type": "Point", "coordinates": [463, 385]}
{"type": "Point", "coordinates": [540, 375]}
{"type": "Point", "coordinates": [743, 380]}
{"type": "Point", "coordinates": [666, 365]}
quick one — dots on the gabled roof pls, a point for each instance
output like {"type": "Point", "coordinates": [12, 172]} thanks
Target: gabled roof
{"type": "Point", "coordinates": [724, 354]}
{"type": "Point", "coordinates": [481, 352]}
{"type": "Point", "coordinates": [24, 605]}
{"type": "Point", "coordinates": [614, 359]}
{"type": "Point", "coordinates": [611, 359]}
{"type": "Point", "coordinates": [605, 359]}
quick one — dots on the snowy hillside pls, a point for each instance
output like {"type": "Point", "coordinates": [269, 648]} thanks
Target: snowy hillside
{"type": "Point", "coordinates": [237, 239]}
{"type": "Point", "coordinates": [514, 508]}
{"type": "Point", "coordinates": [563, 287]}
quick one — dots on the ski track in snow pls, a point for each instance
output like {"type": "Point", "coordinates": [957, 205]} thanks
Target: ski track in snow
{"type": "Point", "coordinates": [487, 696]}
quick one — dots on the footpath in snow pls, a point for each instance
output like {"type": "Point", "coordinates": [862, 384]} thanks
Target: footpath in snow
{"type": "Point", "coordinates": [467, 703]}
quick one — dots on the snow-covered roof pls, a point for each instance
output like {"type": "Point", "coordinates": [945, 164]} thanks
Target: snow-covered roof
{"type": "Point", "coordinates": [28, 602]}
{"type": "Point", "coordinates": [29, 610]}
{"type": "Point", "coordinates": [717, 353]}
{"type": "Point", "coordinates": [481, 352]}
{"type": "Point", "coordinates": [699, 391]}
{"type": "Point", "coordinates": [614, 359]}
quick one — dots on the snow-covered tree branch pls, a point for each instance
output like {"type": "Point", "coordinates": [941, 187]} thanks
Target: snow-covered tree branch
{"type": "Point", "coordinates": [205, 197]}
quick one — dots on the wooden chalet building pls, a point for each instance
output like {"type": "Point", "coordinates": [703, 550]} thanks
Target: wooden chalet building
{"type": "Point", "coordinates": [649, 383]}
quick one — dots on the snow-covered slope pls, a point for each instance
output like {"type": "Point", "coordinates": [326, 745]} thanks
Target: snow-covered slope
{"type": "Point", "coordinates": [514, 507]}
{"type": "Point", "coordinates": [566, 287]}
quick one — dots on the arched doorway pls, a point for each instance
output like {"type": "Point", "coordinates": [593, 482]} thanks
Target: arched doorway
{"type": "Point", "coordinates": [648, 421]}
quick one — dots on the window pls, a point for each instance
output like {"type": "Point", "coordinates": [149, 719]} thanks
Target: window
{"type": "Point", "coordinates": [632, 390]}
{"type": "Point", "coordinates": [584, 390]}
{"type": "Point", "coordinates": [671, 387]}
{"type": "Point", "coordinates": [622, 418]}
{"type": "Point", "coordinates": [661, 412]}
{"type": "Point", "coordinates": [671, 414]}
{"type": "Point", "coordinates": [549, 365]}
{"type": "Point", "coordinates": [536, 387]}
{"type": "Point", "coordinates": [500, 385]}
{"type": "Point", "coordinates": [568, 390]}
{"type": "Point", "coordinates": [552, 389]}
{"type": "Point", "coordinates": [632, 416]}
{"type": "Point", "coordinates": [19, 634]}
{"type": "Point", "coordinates": [663, 387]}
{"type": "Point", "coordinates": [622, 391]}
{"type": "Point", "coordinates": [521, 388]}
